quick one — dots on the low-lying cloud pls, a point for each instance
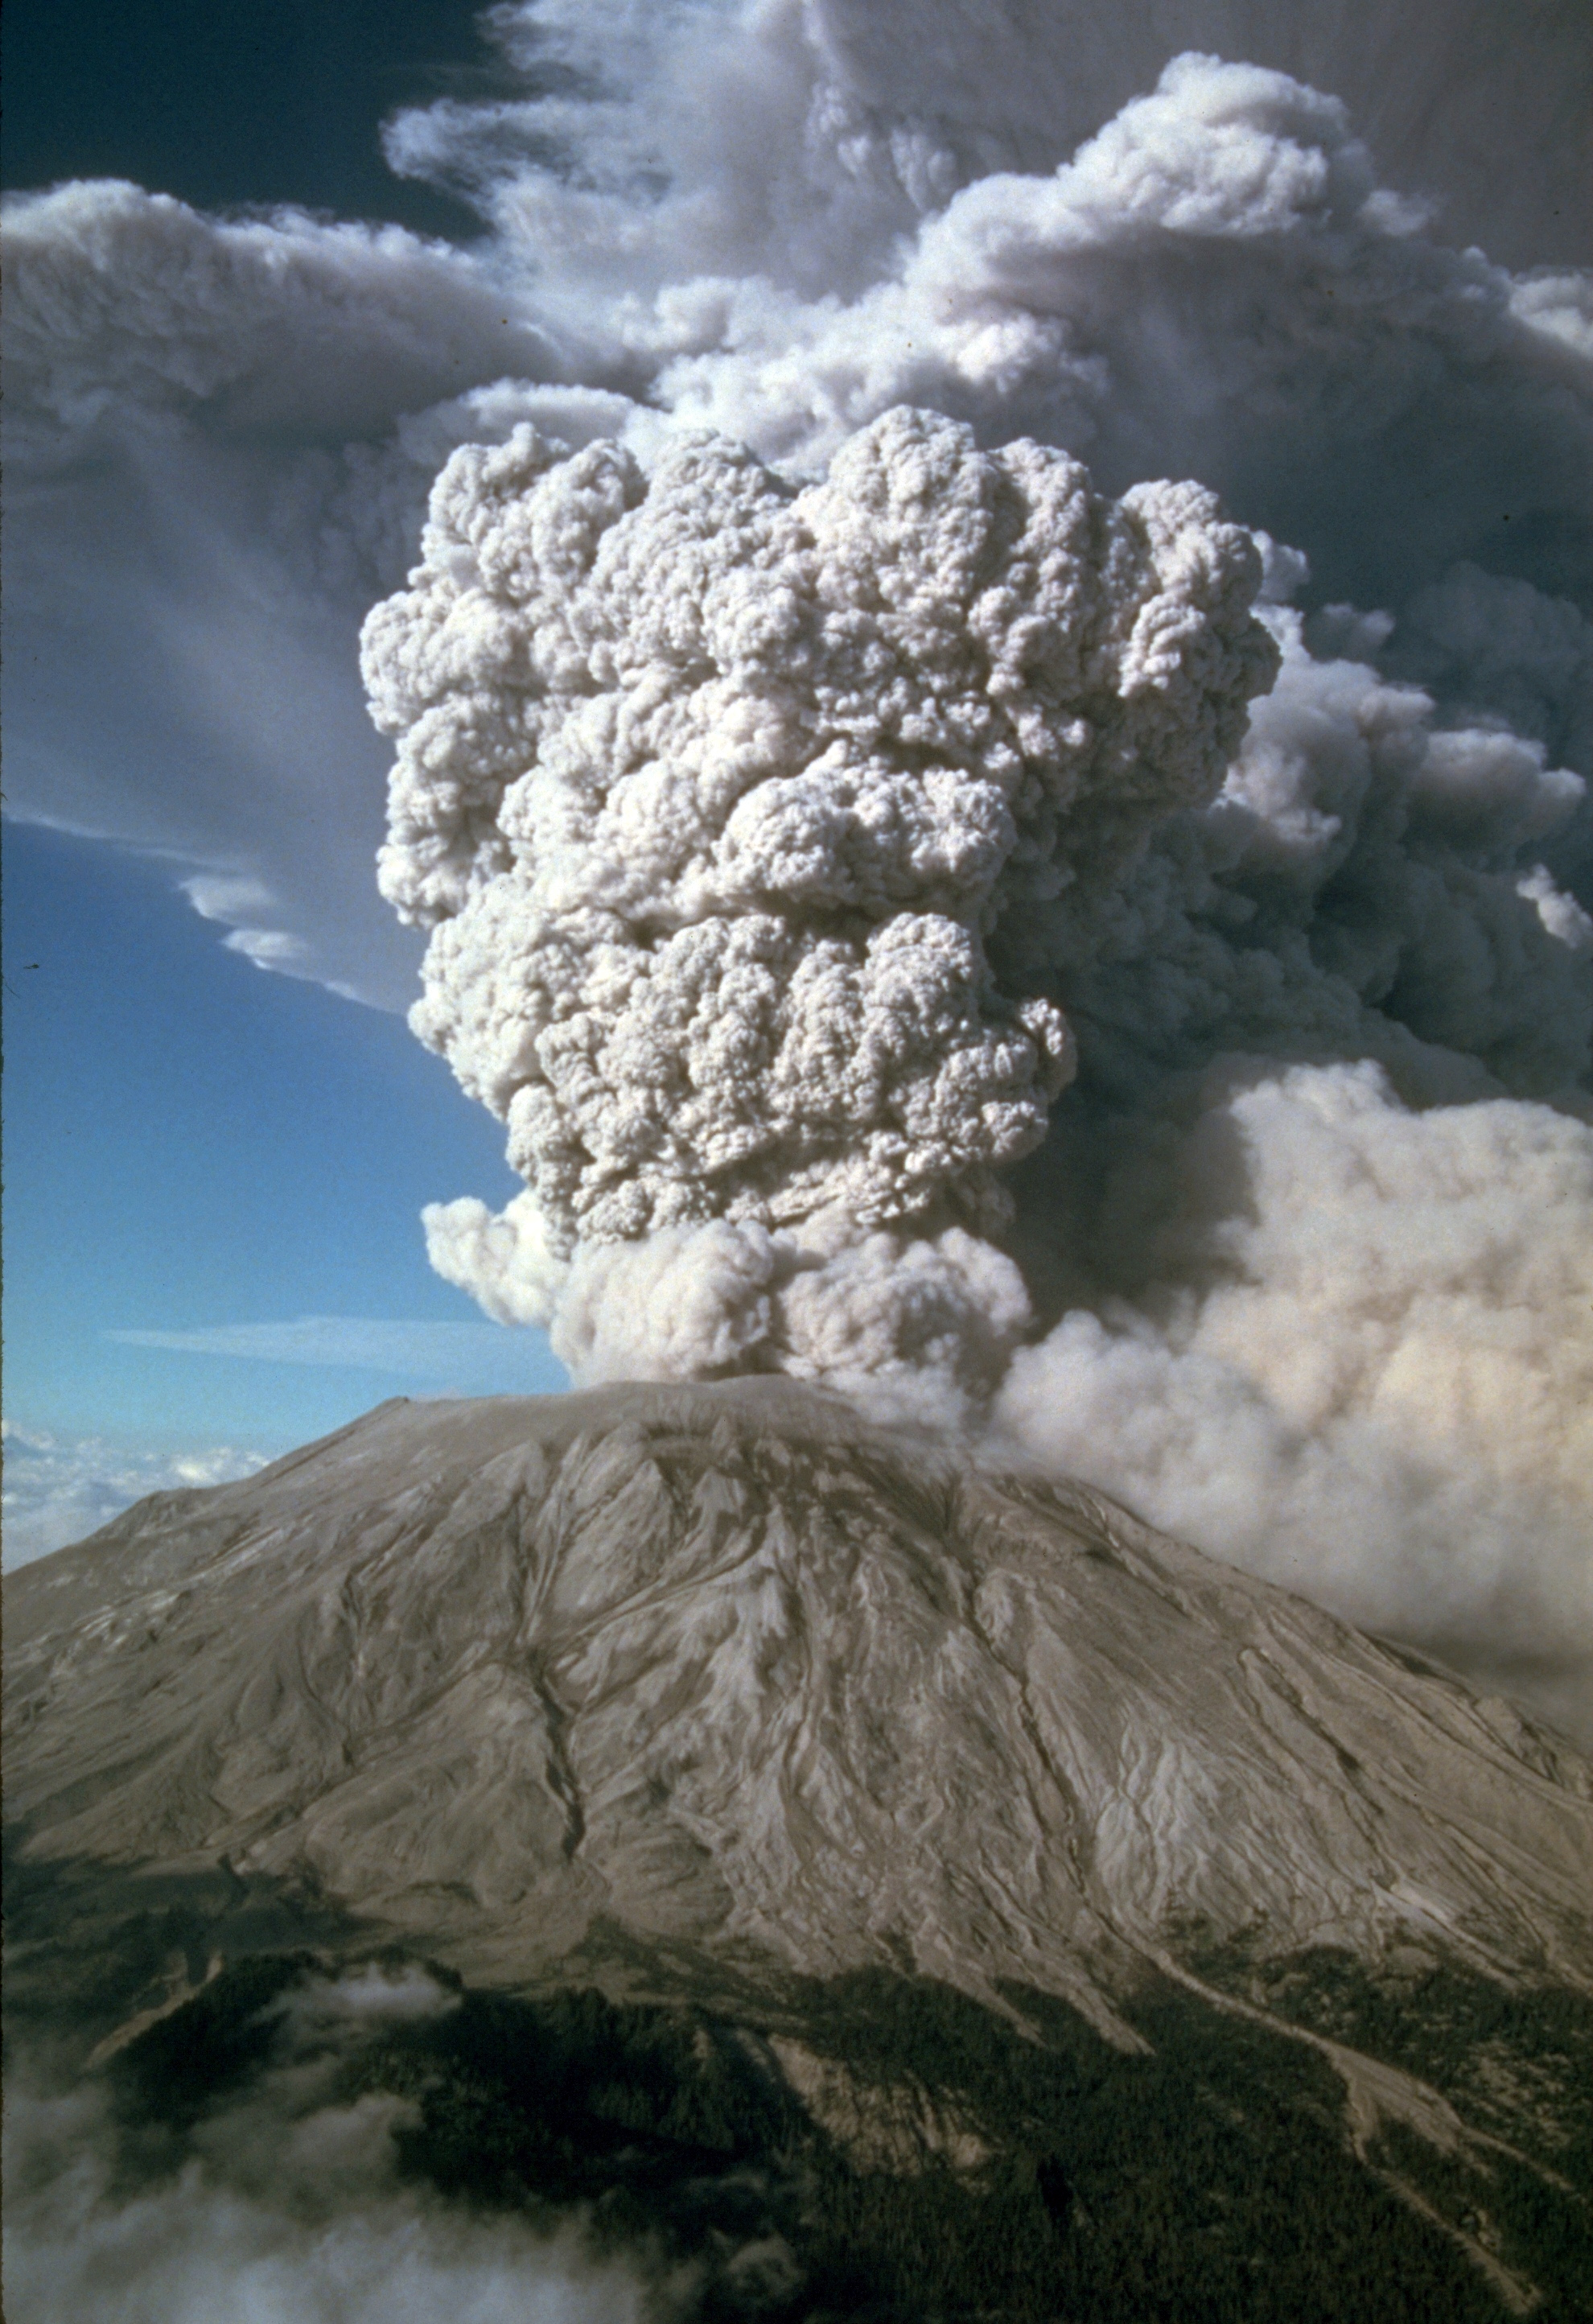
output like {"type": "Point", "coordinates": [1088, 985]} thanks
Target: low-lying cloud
{"type": "Point", "coordinates": [60, 1488]}
{"type": "Point", "coordinates": [282, 2202]}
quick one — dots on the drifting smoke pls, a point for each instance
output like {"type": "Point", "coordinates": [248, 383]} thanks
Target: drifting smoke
{"type": "Point", "coordinates": [1021, 945]}
{"type": "Point", "coordinates": [790, 847]}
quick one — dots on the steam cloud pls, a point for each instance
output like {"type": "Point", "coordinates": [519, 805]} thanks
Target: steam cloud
{"type": "Point", "coordinates": [1021, 945]}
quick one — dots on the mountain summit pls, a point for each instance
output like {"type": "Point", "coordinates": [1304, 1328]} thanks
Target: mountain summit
{"type": "Point", "coordinates": [721, 1700]}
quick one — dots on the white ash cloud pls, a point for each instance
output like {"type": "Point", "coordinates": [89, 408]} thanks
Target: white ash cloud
{"type": "Point", "coordinates": [1215, 285]}
{"type": "Point", "coordinates": [1371, 880]}
{"type": "Point", "coordinates": [710, 790]}
{"type": "Point", "coordinates": [1348, 1348]}
{"type": "Point", "coordinates": [800, 138]}
{"type": "Point", "coordinates": [780, 218]}
{"type": "Point", "coordinates": [1301, 1270]}
{"type": "Point", "coordinates": [1312, 1230]}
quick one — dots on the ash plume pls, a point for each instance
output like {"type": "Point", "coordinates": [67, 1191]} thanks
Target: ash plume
{"type": "Point", "coordinates": [712, 789]}
{"type": "Point", "coordinates": [961, 931]}
{"type": "Point", "coordinates": [913, 937]}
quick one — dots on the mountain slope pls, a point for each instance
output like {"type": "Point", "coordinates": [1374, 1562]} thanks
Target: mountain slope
{"type": "Point", "coordinates": [719, 1698]}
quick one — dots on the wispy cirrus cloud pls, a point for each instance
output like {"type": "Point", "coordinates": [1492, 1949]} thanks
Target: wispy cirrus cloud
{"type": "Point", "coordinates": [474, 1359]}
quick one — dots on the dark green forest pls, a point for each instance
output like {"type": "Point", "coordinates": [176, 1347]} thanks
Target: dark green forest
{"type": "Point", "coordinates": [1208, 2180]}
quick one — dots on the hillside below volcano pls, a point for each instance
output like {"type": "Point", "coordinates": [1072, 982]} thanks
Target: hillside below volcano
{"type": "Point", "coordinates": [1025, 1864]}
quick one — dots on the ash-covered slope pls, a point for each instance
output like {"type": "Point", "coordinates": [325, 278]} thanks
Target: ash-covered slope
{"type": "Point", "coordinates": [725, 1665]}
{"type": "Point", "coordinates": [1049, 1919]}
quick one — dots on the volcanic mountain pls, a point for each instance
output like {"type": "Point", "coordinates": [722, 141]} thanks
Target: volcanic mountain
{"type": "Point", "coordinates": [1051, 1920]}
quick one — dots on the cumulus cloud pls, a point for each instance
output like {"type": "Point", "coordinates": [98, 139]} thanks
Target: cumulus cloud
{"type": "Point", "coordinates": [60, 1488]}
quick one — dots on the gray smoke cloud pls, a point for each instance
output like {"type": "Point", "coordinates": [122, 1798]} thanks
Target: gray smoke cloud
{"type": "Point", "coordinates": [943, 906]}
{"type": "Point", "coordinates": [803, 803]}
{"type": "Point", "coordinates": [711, 790]}
{"type": "Point", "coordinates": [800, 141]}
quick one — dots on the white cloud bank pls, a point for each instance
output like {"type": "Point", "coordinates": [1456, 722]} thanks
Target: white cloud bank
{"type": "Point", "coordinates": [60, 1488]}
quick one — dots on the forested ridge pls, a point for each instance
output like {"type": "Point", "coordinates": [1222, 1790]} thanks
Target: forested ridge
{"type": "Point", "coordinates": [959, 2164]}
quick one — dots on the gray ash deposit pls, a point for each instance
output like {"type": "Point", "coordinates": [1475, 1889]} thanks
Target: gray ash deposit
{"type": "Point", "coordinates": [747, 1830]}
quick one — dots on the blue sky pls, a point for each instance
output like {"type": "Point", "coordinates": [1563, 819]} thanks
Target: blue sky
{"type": "Point", "coordinates": [200, 1157]}
{"type": "Point", "coordinates": [260, 101]}
{"type": "Point", "coordinates": [195, 1145]}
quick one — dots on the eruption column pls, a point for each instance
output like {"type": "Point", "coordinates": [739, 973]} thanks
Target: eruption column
{"type": "Point", "coordinates": [713, 790]}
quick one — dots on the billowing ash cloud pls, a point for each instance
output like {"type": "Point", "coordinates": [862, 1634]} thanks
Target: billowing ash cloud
{"type": "Point", "coordinates": [778, 218]}
{"type": "Point", "coordinates": [712, 790]}
{"type": "Point", "coordinates": [762, 832]}
{"type": "Point", "coordinates": [799, 139]}
{"type": "Point", "coordinates": [792, 838]}
{"type": "Point", "coordinates": [909, 940]}
{"type": "Point", "coordinates": [1215, 284]}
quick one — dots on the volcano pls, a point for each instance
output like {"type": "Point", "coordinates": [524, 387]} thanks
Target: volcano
{"type": "Point", "coordinates": [1045, 1918]}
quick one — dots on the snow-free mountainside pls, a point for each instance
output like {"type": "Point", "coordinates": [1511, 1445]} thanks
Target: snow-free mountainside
{"type": "Point", "coordinates": [1000, 1908]}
